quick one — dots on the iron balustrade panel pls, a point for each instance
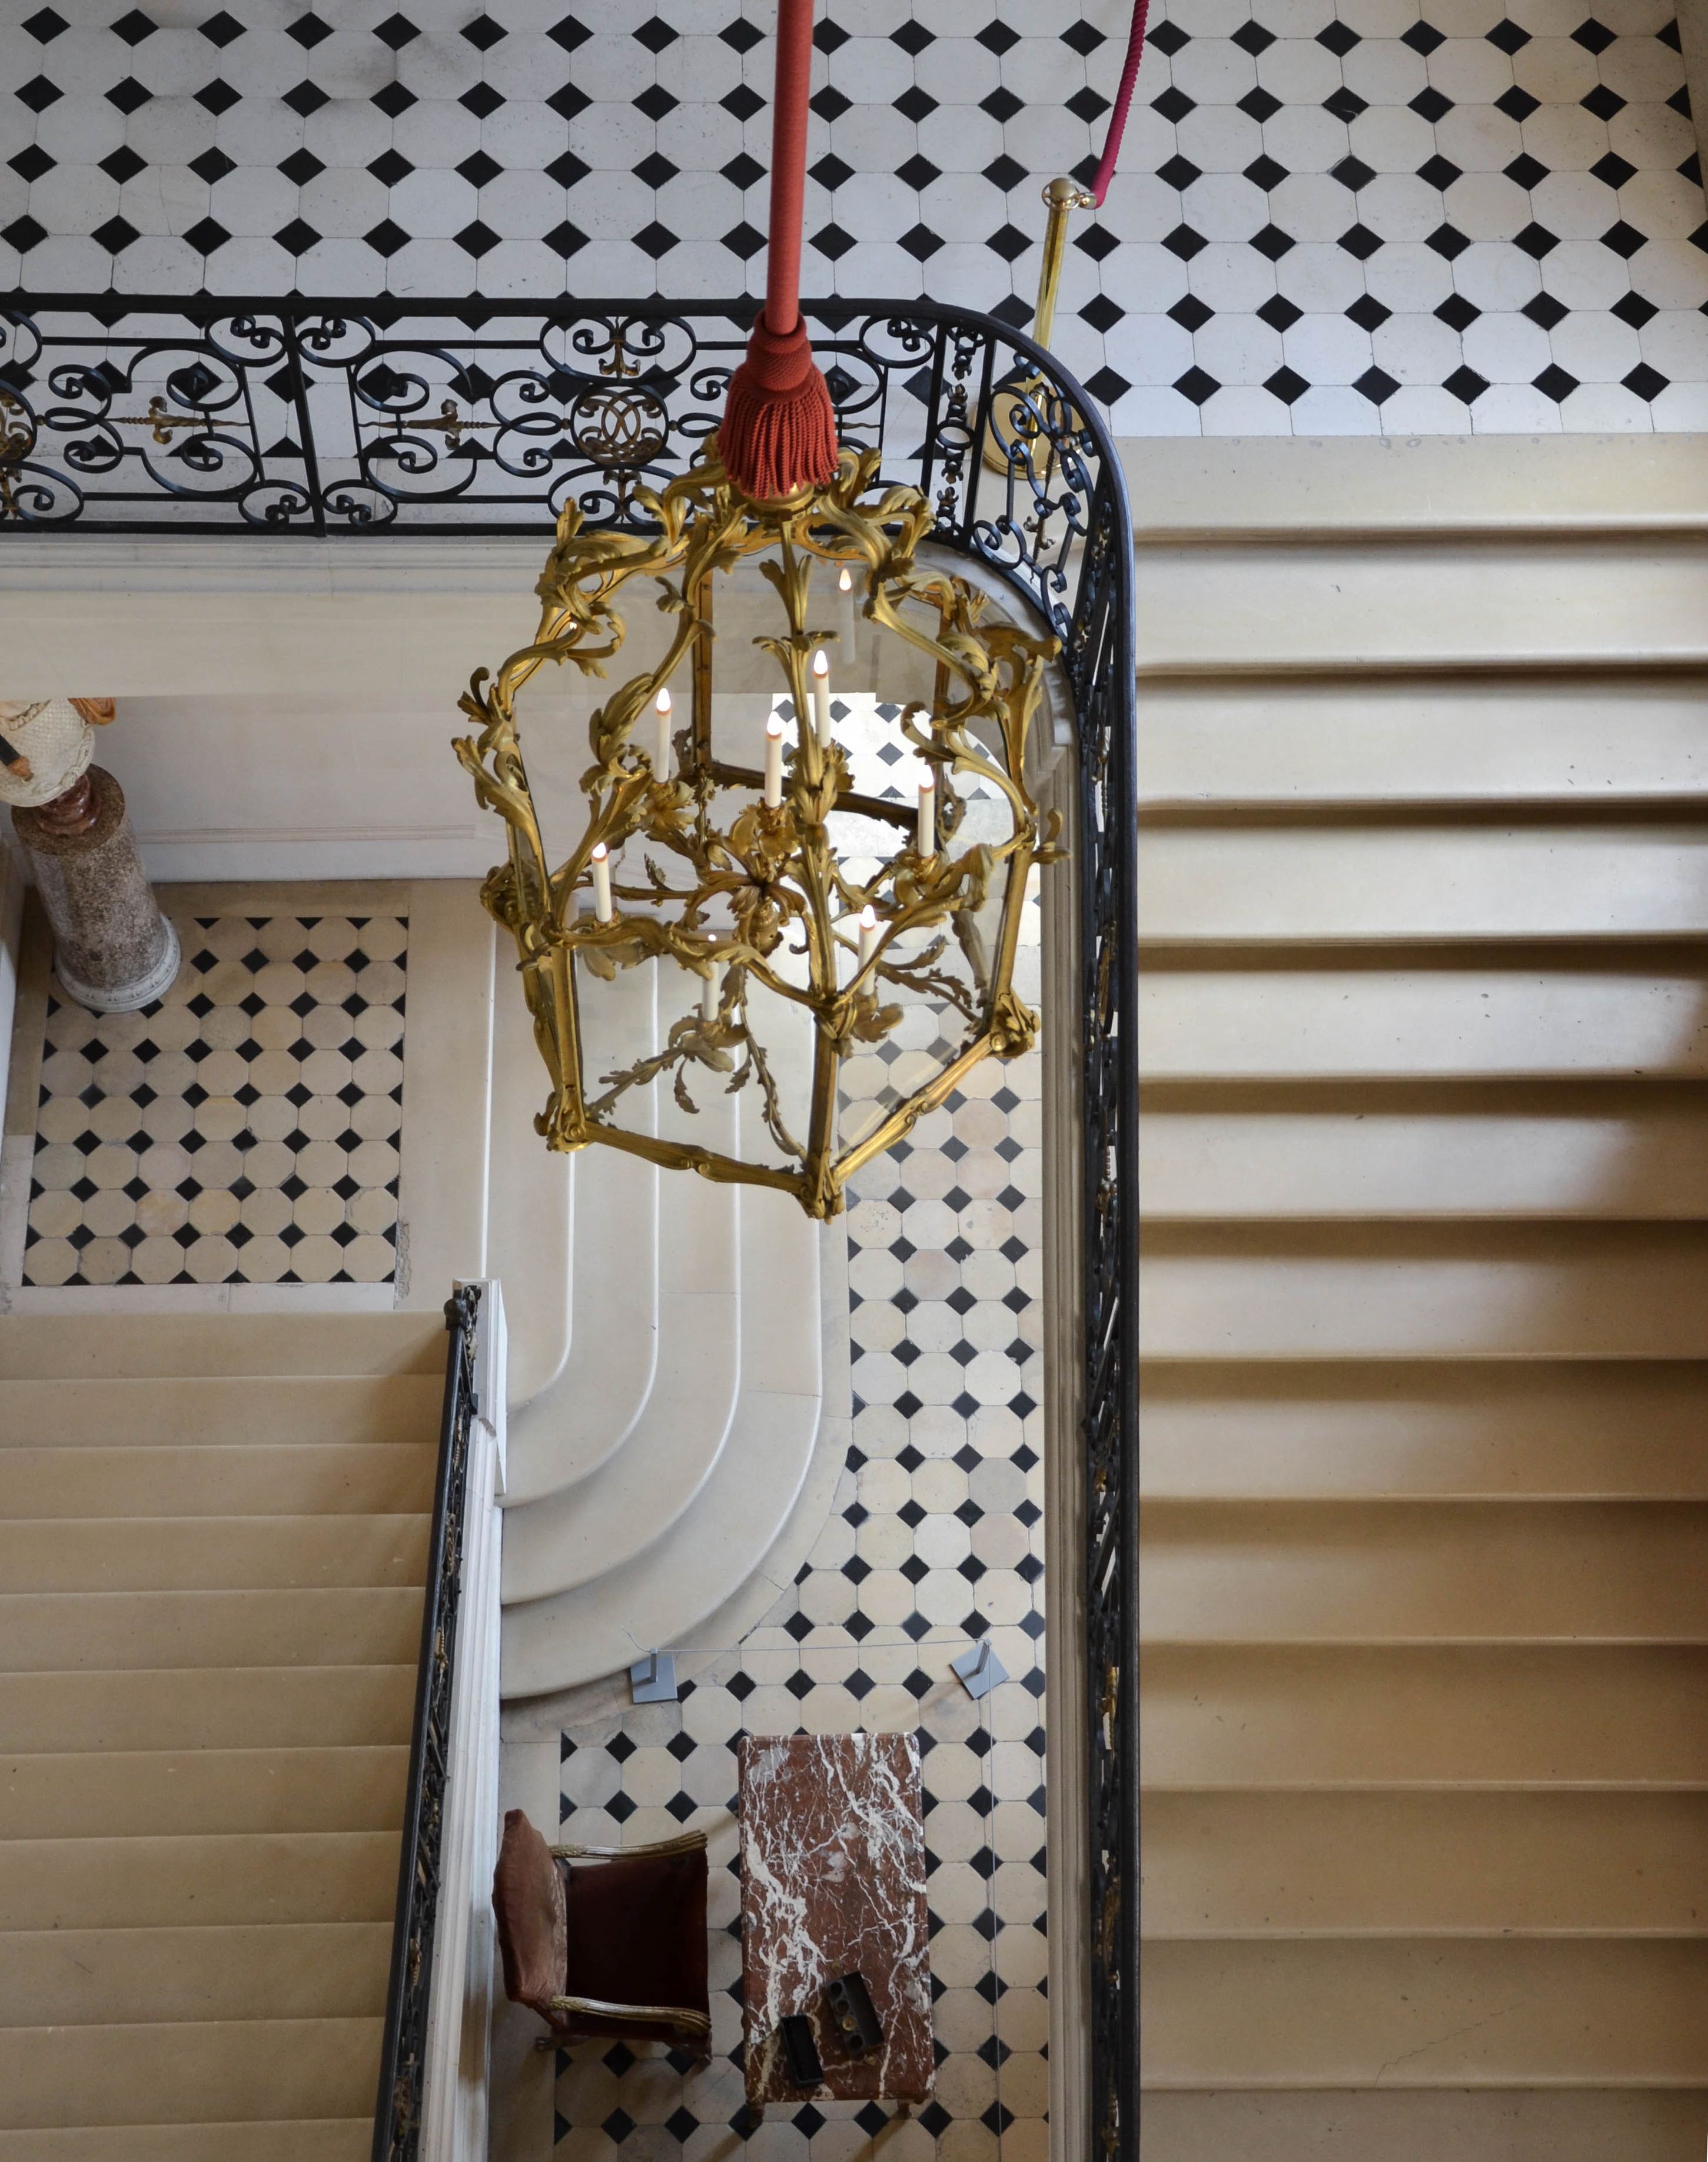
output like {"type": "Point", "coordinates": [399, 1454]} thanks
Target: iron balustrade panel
{"type": "Point", "coordinates": [403, 2056]}
{"type": "Point", "coordinates": [472, 419]}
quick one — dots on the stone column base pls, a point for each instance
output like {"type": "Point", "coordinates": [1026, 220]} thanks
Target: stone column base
{"type": "Point", "coordinates": [113, 951]}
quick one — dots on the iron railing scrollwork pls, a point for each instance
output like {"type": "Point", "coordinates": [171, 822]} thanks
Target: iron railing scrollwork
{"type": "Point", "coordinates": [403, 2059]}
{"type": "Point", "coordinates": [477, 418]}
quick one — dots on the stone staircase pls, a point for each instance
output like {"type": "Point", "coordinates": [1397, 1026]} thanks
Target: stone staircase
{"type": "Point", "coordinates": [673, 1450]}
{"type": "Point", "coordinates": [212, 1541]}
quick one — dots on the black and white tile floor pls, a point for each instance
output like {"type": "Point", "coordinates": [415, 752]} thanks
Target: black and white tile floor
{"type": "Point", "coordinates": [935, 1539]}
{"type": "Point", "coordinates": [244, 1129]}
{"type": "Point", "coordinates": [1333, 216]}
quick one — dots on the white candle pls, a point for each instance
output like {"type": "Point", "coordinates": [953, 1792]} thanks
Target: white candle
{"type": "Point", "coordinates": [660, 757]}
{"type": "Point", "coordinates": [845, 612]}
{"type": "Point", "coordinates": [708, 999]}
{"type": "Point", "coordinates": [773, 762]}
{"type": "Point", "coordinates": [602, 882]}
{"type": "Point", "coordinates": [821, 695]}
{"type": "Point", "coordinates": [868, 933]}
{"type": "Point", "coordinates": [927, 813]}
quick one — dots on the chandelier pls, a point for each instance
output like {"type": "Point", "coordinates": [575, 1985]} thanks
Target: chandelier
{"type": "Point", "coordinates": [828, 863]}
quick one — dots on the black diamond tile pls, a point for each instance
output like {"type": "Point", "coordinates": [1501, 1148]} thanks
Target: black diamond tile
{"type": "Point", "coordinates": [743, 240]}
{"type": "Point", "coordinates": [1169, 38]}
{"type": "Point", "coordinates": [1259, 105]}
{"type": "Point", "coordinates": [1281, 315]}
{"type": "Point", "coordinates": [1680, 101]}
{"type": "Point", "coordinates": [1603, 103]}
{"type": "Point", "coordinates": [1352, 172]}
{"type": "Point", "coordinates": [134, 27]}
{"type": "Point", "coordinates": [1001, 104]}
{"type": "Point", "coordinates": [479, 169]}
{"type": "Point", "coordinates": [1623, 238]}
{"type": "Point", "coordinates": [1197, 385]}
{"type": "Point", "coordinates": [1449, 241]}
{"type": "Point", "coordinates": [1338, 38]}
{"type": "Point", "coordinates": [1252, 38]}
{"type": "Point", "coordinates": [741, 34]}
{"type": "Point", "coordinates": [1008, 242]}
{"type": "Point", "coordinates": [206, 235]}
{"type": "Point", "coordinates": [32, 161]}
{"type": "Point", "coordinates": [1289, 387]}
{"type": "Point", "coordinates": [1184, 242]}
{"type": "Point", "coordinates": [221, 30]}
{"type": "Point", "coordinates": [116, 235]}
{"type": "Point", "coordinates": [1556, 383]}
{"type": "Point", "coordinates": [297, 237]}
{"type": "Point", "coordinates": [1542, 309]}
{"type": "Point", "coordinates": [1084, 39]}
{"type": "Point", "coordinates": [918, 173]}
{"type": "Point", "coordinates": [1173, 104]}
{"type": "Point", "coordinates": [484, 33]}
{"type": "Point", "coordinates": [300, 167]}
{"type": "Point", "coordinates": [1466, 385]}
{"type": "Point", "coordinates": [913, 38]}
{"type": "Point", "coordinates": [129, 94]}
{"type": "Point", "coordinates": [45, 26]}
{"type": "Point", "coordinates": [828, 103]}
{"type": "Point", "coordinates": [1375, 385]}
{"type": "Point", "coordinates": [1430, 105]}
{"type": "Point", "coordinates": [1632, 308]}
{"type": "Point", "coordinates": [830, 171]}
{"type": "Point", "coordinates": [1004, 172]}
{"type": "Point", "coordinates": [1526, 171]}
{"type": "Point", "coordinates": [394, 100]}
{"type": "Point", "coordinates": [1087, 105]}
{"type": "Point", "coordinates": [1423, 38]}
{"type": "Point", "coordinates": [1360, 240]}
{"type": "Point", "coordinates": [390, 167]}
{"type": "Point", "coordinates": [1459, 314]}
{"type": "Point", "coordinates": [1192, 315]}
{"type": "Point", "coordinates": [1593, 36]}
{"type": "Point", "coordinates": [1102, 313]}
{"type": "Point", "coordinates": [1612, 170]}
{"type": "Point", "coordinates": [308, 97]}
{"type": "Point", "coordinates": [211, 166]}
{"type": "Point", "coordinates": [38, 94]}
{"type": "Point", "coordinates": [1265, 173]}
{"type": "Point", "coordinates": [1344, 104]}
{"type": "Point", "coordinates": [1648, 382]}
{"type": "Point", "coordinates": [1439, 172]}
{"type": "Point", "coordinates": [1368, 312]}
{"type": "Point", "coordinates": [1178, 172]}
{"type": "Point", "coordinates": [483, 101]}
{"type": "Point", "coordinates": [655, 239]}
{"type": "Point", "coordinates": [1271, 241]}
{"type": "Point", "coordinates": [1536, 240]}
{"type": "Point", "coordinates": [396, 31]}
{"type": "Point", "coordinates": [308, 31]}
{"type": "Point", "coordinates": [1508, 35]}
{"type": "Point", "coordinates": [567, 170]}
{"type": "Point", "coordinates": [743, 102]}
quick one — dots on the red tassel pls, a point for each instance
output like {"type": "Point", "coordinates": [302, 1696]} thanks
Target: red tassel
{"type": "Point", "coordinates": [779, 432]}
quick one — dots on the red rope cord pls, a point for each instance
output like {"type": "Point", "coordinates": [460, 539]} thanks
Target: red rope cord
{"type": "Point", "coordinates": [1123, 104]}
{"type": "Point", "coordinates": [794, 86]}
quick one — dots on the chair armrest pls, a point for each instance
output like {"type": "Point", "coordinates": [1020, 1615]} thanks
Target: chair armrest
{"type": "Point", "coordinates": [685, 1842]}
{"type": "Point", "coordinates": [659, 2015]}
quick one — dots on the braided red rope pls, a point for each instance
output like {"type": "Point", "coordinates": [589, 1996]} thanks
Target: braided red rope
{"type": "Point", "coordinates": [1123, 104]}
{"type": "Point", "coordinates": [779, 432]}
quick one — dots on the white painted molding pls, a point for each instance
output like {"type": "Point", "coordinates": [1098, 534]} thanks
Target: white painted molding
{"type": "Point", "coordinates": [460, 2003]}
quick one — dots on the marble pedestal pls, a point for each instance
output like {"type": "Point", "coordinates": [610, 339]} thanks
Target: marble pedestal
{"type": "Point", "coordinates": [113, 951]}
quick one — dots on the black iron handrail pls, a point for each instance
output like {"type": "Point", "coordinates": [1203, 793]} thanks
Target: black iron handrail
{"type": "Point", "coordinates": [403, 2054]}
{"type": "Point", "coordinates": [467, 418]}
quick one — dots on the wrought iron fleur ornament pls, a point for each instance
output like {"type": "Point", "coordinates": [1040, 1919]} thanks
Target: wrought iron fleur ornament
{"type": "Point", "coordinates": [757, 889]}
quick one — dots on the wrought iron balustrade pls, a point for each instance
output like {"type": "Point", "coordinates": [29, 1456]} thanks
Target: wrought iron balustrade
{"type": "Point", "coordinates": [188, 417]}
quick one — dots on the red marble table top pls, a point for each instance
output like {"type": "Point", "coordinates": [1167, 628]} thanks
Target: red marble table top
{"type": "Point", "coordinates": [833, 1882]}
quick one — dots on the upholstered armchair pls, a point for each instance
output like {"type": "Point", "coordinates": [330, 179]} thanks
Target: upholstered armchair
{"type": "Point", "coordinates": [605, 1942]}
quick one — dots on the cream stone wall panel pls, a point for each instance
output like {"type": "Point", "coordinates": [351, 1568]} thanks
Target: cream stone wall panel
{"type": "Point", "coordinates": [1452, 1865]}
{"type": "Point", "coordinates": [1422, 1572]}
{"type": "Point", "coordinates": [1425, 1716]}
{"type": "Point", "coordinates": [1425, 2012]}
{"type": "Point", "coordinates": [1299, 1429]}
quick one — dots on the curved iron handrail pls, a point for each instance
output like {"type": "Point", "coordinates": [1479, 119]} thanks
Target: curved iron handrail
{"type": "Point", "coordinates": [403, 2053]}
{"type": "Point", "coordinates": [466, 419]}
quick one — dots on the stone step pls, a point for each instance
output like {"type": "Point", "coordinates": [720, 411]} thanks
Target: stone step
{"type": "Point", "coordinates": [303, 2139]}
{"type": "Point", "coordinates": [219, 1630]}
{"type": "Point", "coordinates": [199, 1791]}
{"type": "Point", "coordinates": [219, 1411]}
{"type": "Point", "coordinates": [226, 2072]}
{"type": "Point", "coordinates": [234, 1479]}
{"type": "Point", "coordinates": [108, 1974]}
{"type": "Point", "coordinates": [204, 1553]}
{"type": "Point", "coordinates": [260, 1706]}
{"type": "Point", "coordinates": [199, 1881]}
